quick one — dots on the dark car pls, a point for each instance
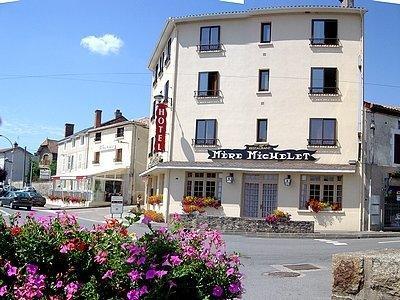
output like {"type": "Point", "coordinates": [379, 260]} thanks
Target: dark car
{"type": "Point", "coordinates": [16, 199]}
{"type": "Point", "coordinates": [37, 199]}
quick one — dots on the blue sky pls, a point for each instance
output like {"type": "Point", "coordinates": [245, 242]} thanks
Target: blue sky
{"type": "Point", "coordinates": [43, 37]}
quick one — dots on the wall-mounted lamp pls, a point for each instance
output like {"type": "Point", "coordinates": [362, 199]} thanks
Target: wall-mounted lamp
{"type": "Point", "coordinates": [230, 178]}
{"type": "Point", "coordinates": [287, 181]}
{"type": "Point", "coordinates": [160, 98]}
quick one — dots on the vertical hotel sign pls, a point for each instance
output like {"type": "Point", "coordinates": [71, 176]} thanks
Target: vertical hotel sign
{"type": "Point", "coordinates": [161, 127]}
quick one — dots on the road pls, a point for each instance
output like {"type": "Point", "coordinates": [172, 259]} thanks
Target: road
{"type": "Point", "coordinates": [261, 256]}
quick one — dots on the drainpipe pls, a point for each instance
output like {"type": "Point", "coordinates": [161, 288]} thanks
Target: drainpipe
{"type": "Point", "coordinates": [133, 162]}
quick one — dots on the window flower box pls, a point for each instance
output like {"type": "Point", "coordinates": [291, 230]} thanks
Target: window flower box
{"type": "Point", "coordinates": [316, 205]}
{"type": "Point", "coordinates": [191, 204]}
{"type": "Point", "coordinates": [155, 199]}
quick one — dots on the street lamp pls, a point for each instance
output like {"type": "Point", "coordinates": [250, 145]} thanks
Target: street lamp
{"type": "Point", "coordinates": [12, 157]}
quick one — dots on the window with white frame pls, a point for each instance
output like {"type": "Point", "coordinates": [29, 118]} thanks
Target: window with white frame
{"type": "Point", "coordinates": [203, 185]}
{"type": "Point", "coordinates": [324, 188]}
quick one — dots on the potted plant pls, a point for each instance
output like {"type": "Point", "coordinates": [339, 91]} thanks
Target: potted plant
{"type": "Point", "coordinates": [155, 199]}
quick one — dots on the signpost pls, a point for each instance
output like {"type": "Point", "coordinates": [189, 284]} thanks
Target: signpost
{"type": "Point", "coordinates": [44, 174]}
{"type": "Point", "coordinates": [117, 205]}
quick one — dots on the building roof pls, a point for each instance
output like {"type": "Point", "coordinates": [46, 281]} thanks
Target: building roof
{"type": "Point", "coordinates": [172, 21]}
{"type": "Point", "coordinates": [4, 150]}
{"type": "Point", "coordinates": [384, 109]}
{"type": "Point", "coordinates": [255, 166]}
{"type": "Point", "coordinates": [52, 145]}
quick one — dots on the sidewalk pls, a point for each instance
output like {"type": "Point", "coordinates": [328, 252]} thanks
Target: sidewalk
{"type": "Point", "coordinates": [320, 235]}
{"type": "Point", "coordinates": [57, 207]}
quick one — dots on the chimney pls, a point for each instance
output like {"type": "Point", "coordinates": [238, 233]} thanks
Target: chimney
{"type": "Point", "coordinates": [97, 118]}
{"type": "Point", "coordinates": [69, 129]}
{"type": "Point", "coordinates": [118, 114]}
{"type": "Point", "coordinates": [15, 144]}
{"type": "Point", "coordinates": [347, 3]}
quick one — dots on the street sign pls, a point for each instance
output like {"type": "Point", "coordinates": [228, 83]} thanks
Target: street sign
{"type": "Point", "coordinates": [117, 205]}
{"type": "Point", "coordinates": [44, 174]}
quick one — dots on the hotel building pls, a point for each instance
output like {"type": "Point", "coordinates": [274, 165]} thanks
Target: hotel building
{"type": "Point", "coordinates": [260, 109]}
{"type": "Point", "coordinates": [103, 160]}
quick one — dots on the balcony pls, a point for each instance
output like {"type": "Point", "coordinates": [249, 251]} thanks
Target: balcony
{"type": "Point", "coordinates": [322, 142]}
{"type": "Point", "coordinates": [325, 42]}
{"type": "Point", "coordinates": [323, 91]}
{"type": "Point", "coordinates": [95, 162]}
{"type": "Point", "coordinates": [208, 94]}
{"type": "Point", "coordinates": [210, 48]}
{"type": "Point", "coordinates": [205, 142]}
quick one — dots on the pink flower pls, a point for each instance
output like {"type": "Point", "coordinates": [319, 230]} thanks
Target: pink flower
{"type": "Point", "coordinates": [161, 273]}
{"type": "Point", "coordinates": [11, 271]}
{"type": "Point", "coordinates": [150, 274]}
{"type": "Point", "coordinates": [146, 220]}
{"type": "Point", "coordinates": [109, 274]}
{"type": "Point", "coordinates": [217, 291]}
{"type": "Point", "coordinates": [235, 287]}
{"type": "Point", "coordinates": [230, 272]}
{"type": "Point", "coordinates": [31, 269]}
{"type": "Point", "coordinates": [71, 289]}
{"type": "Point", "coordinates": [175, 260]}
{"type": "Point", "coordinates": [101, 257]}
{"type": "Point", "coordinates": [134, 275]}
{"type": "Point", "coordinates": [3, 290]}
{"type": "Point", "coordinates": [59, 284]}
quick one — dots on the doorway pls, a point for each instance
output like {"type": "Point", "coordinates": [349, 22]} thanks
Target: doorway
{"type": "Point", "coordinates": [260, 195]}
{"type": "Point", "coordinates": [112, 188]}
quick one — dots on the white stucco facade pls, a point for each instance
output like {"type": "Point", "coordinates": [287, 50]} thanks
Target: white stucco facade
{"type": "Point", "coordinates": [287, 106]}
{"type": "Point", "coordinates": [104, 160]}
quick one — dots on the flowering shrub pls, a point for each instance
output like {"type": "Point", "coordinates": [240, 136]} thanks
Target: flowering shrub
{"type": "Point", "coordinates": [54, 197]}
{"type": "Point", "coordinates": [191, 204]}
{"type": "Point", "coordinates": [54, 258]}
{"type": "Point", "coordinates": [68, 199]}
{"type": "Point", "coordinates": [278, 216]}
{"type": "Point", "coordinates": [154, 216]}
{"type": "Point", "coordinates": [156, 199]}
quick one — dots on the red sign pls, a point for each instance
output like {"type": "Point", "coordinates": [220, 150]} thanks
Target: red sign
{"type": "Point", "coordinates": [161, 127]}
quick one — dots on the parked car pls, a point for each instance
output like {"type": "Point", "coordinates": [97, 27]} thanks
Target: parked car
{"type": "Point", "coordinates": [29, 189]}
{"type": "Point", "coordinates": [37, 199]}
{"type": "Point", "coordinates": [16, 199]}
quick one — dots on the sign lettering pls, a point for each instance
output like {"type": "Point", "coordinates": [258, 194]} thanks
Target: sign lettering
{"type": "Point", "coordinates": [161, 127]}
{"type": "Point", "coordinates": [261, 153]}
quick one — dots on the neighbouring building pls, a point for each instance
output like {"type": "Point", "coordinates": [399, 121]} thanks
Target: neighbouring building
{"type": "Point", "coordinates": [16, 161]}
{"type": "Point", "coordinates": [104, 160]}
{"type": "Point", "coordinates": [382, 166]}
{"type": "Point", "coordinates": [47, 157]}
{"type": "Point", "coordinates": [260, 109]}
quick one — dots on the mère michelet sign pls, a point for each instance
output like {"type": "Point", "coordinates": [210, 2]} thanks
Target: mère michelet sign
{"type": "Point", "coordinates": [261, 153]}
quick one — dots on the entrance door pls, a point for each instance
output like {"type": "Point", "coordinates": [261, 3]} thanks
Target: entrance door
{"type": "Point", "coordinates": [260, 195]}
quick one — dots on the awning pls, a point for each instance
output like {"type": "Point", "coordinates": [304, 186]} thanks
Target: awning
{"type": "Point", "coordinates": [254, 166]}
{"type": "Point", "coordinates": [81, 176]}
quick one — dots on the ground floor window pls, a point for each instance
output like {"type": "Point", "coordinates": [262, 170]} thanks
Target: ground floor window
{"type": "Point", "coordinates": [203, 185]}
{"type": "Point", "coordinates": [325, 188]}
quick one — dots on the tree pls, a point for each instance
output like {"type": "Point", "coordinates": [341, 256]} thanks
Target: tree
{"type": "Point", "coordinates": [3, 175]}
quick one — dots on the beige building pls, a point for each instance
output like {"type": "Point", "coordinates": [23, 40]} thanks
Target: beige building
{"type": "Point", "coordinates": [264, 112]}
{"type": "Point", "coordinates": [103, 160]}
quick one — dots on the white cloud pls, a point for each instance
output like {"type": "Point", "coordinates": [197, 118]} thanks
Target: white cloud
{"type": "Point", "coordinates": [103, 45]}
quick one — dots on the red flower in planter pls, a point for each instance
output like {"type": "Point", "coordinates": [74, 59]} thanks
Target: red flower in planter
{"type": "Point", "coordinates": [16, 230]}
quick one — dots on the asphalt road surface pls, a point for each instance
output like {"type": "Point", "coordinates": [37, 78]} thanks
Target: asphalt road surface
{"type": "Point", "coordinates": [262, 258]}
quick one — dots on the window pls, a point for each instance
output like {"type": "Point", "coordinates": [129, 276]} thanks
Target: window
{"type": "Point", "coordinates": [206, 131]}
{"type": "Point", "coordinates": [96, 159]}
{"type": "Point", "coordinates": [118, 155]}
{"type": "Point", "coordinates": [266, 33]}
{"type": "Point", "coordinates": [203, 185]}
{"type": "Point", "coordinates": [209, 39]}
{"type": "Point", "coordinates": [73, 143]}
{"type": "Point", "coordinates": [322, 132]}
{"type": "Point", "coordinates": [153, 113]}
{"type": "Point", "coordinates": [208, 84]}
{"type": "Point", "coordinates": [324, 32]}
{"type": "Point", "coordinates": [120, 132]}
{"type": "Point", "coordinates": [325, 188]}
{"type": "Point", "coordinates": [262, 126]}
{"type": "Point", "coordinates": [166, 91]}
{"type": "Point", "coordinates": [168, 56]}
{"type": "Point", "coordinates": [151, 147]}
{"type": "Point", "coordinates": [161, 64]}
{"type": "Point", "coordinates": [97, 137]}
{"type": "Point", "coordinates": [323, 81]}
{"type": "Point", "coordinates": [155, 75]}
{"type": "Point", "coordinates": [82, 140]}
{"type": "Point", "coordinates": [397, 148]}
{"type": "Point", "coordinates": [263, 81]}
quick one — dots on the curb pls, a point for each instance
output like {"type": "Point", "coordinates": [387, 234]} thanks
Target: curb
{"type": "Point", "coordinates": [78, 207]}
{"type": "Point", "coordinates": [316, 235]}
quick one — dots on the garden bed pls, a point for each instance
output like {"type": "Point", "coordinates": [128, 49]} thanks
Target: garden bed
{"type": "Point", "coordinates": [231, 224]}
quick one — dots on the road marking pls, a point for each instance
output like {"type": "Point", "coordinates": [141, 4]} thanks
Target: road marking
{"type": "Point", "coordinates": [335, 243]}
{"type": "Point", "coordinates": [389, 242]}
{"type": "Point", "coordinates": [5, 213]}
